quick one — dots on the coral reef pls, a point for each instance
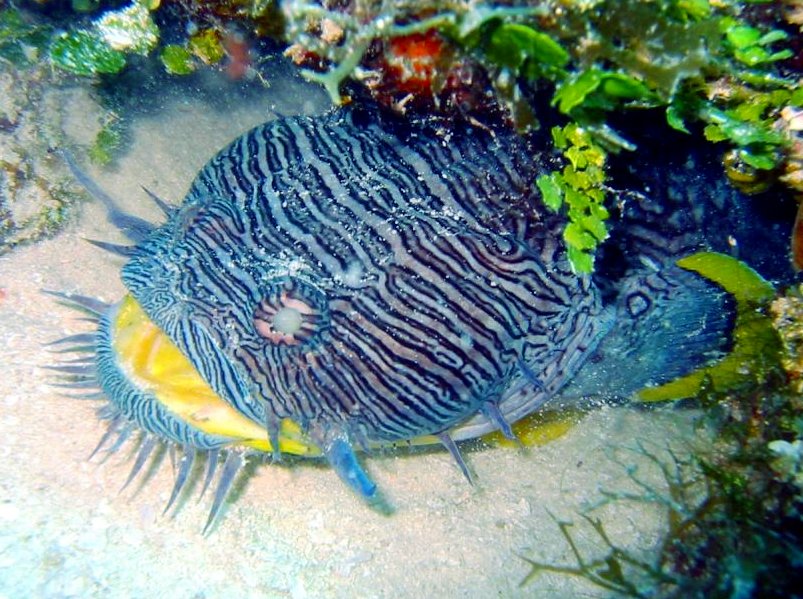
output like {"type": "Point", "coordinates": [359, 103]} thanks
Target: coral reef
{"type": "Point", "coordinates": [102, 48]}
{"type": "Point", "coordinates": [35, 193]}
{"type": "Point", "coordinates": [787, 314]}
{"type": "Point", "coordinates": [708, 65]}
{"type": "Point", "coordinates": [725, 70]}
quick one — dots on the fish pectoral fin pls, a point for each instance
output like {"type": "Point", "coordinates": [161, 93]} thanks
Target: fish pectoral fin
{"type": "Point", "coordinates": [340, 455]}
{"type": "Point", "coordinates": [492, 412]}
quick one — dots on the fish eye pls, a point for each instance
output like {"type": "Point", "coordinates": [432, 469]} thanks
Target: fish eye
{"type": "Point", "coordinates": [291, 313]}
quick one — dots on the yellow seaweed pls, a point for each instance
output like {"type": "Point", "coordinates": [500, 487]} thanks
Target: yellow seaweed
{"type": "Point", "coordinates": [538, 428]}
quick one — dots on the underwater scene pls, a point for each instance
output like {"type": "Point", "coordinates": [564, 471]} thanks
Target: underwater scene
{"type": "Point", "coordinates": [364, 298]}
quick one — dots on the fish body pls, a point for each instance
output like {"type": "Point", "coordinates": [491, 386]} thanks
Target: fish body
{"type": "Point", "coordinates": [357, 280]}
{"type": "Point", "coordinates": [423, 275]}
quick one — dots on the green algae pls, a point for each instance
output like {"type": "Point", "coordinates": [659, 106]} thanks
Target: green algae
{"type": "Point", "coordinates": [36, 200]}
{"type": "Point", "coordinates": [727, 520]}
{"type": "Point", "coordinates": [107, 141]}
{"type": "Point", "coordinates": [206, 45]}
{"type": "Point", "coordinates": [578, 187]}
{"type": "Point", "coordinates": [103, 48]}
{"type": "Point", "coordinates": [708, 66]}
{"type": "Point", "coordinates": [21, 41]}
{"type": "Point", "coordinates": [732, 498]}
{"type": "Point", "coordinates": [678, 490]}
{"type": "Point", "coordinates": [752, 46]}
{"type": "Point", "coordinates": [177, 60]}
{"type": "Point", "coordinates": [592, 60]}
{"type": "Point", "coordinates": [527, 51]}
{"type": "Point", "coordinates": [733, 520]}
{"type": "Point", "coordinates": [596, 59]}
{"type": "Point", "coordinates": [81, 52]}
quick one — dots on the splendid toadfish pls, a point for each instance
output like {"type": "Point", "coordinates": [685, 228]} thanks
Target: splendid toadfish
{"type": "Point", "coordinates": [336, 283]}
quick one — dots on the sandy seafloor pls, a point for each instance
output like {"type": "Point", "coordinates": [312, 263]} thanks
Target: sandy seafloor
{"type": "Point", "coordinates": [66, 530]}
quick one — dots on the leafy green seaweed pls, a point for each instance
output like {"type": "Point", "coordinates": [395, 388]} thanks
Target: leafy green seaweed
{"type": "Point", "coordinates": [107, 141]}
{"type": "Point", "coordinates": [578, 188]}
{"type": "Point", "coordinates": [82, 53]}
{"type": "Point", "coordinates": [708, 66]}
{"type": "Point", "coordinates": [177, 60]}
{"type": "Point", "coordinates": [103, 47]}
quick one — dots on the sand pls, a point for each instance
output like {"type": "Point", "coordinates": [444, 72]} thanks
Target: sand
{"type": "Point", "coordinates": [66, 530]}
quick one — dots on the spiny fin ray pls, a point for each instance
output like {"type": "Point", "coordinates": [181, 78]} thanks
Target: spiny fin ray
{"type": "Point", "coordinates": [76, 384]}
{"type": "Point", "coordinates": [122, 437]}
{"type": "Point", "coordinates": [449, 444]}
{"type": "Point", "coordinates": [114, 248]}
{"type": "Point", "coordinates": [113, 428]}
{"type": "Point", "coordinates": [164, 206]}
{"type": "Point", "coordinates": [232, 465]}
{"type": "Point", "coordinates": [133, 227]}
{"type": "Point", "coordinates": [211, 466]}
{"type": "Point", "coordinates": [84, 303]}
{"type": "Point", "coordinates": [85, 370]}
{"type": "Point", "coordinates": [78, 338]}
{"type": "Point", "coordinates": [185, 467]}
{"type": "Point", "coordinates": [148, 445]}
{"type": "Point", "coordinates": [530, 375]}
{"type": "Point", "coordinates": [491, 411]}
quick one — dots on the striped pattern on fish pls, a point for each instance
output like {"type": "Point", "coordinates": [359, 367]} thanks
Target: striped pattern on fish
{"type": "Point", "coordinates": [355, 279]}
{"type": "Point", "coordinates": [434, 280]}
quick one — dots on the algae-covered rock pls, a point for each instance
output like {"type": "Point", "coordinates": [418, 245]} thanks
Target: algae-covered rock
{"type": "Point", "coordinates": [787, 313]}
{"type": "Point", "coordinates": [177, 60]}
{"type": "Point", "coordinates": [37, 195]}
{"type": "Point", "coordinates": [21, 40]}
{"type": "Point", "coordinates": [207, 46]}
{"type": "Point", "coordinates": [130, 29]}
{"type": "Point", "coordinates": [102, 48]}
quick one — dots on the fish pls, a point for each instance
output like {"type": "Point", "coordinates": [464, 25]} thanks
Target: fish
{"type": "Point", "coordinates": [339, 283]}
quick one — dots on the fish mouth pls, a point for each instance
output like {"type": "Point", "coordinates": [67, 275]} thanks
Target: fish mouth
{"type": "Point", "coordinates": [153, 363]}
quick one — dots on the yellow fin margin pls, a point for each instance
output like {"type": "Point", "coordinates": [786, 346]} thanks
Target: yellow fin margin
{"type": "Point", "coordinates": [755, 342]}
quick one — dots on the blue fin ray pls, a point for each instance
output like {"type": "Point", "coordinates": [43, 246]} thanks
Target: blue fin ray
{"type": "Point", "coordinates": [450, 445]}
{"type": "Point", "coordinates": [232, 465]}
{"type": "Point", "coordinates": [342, 458]}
